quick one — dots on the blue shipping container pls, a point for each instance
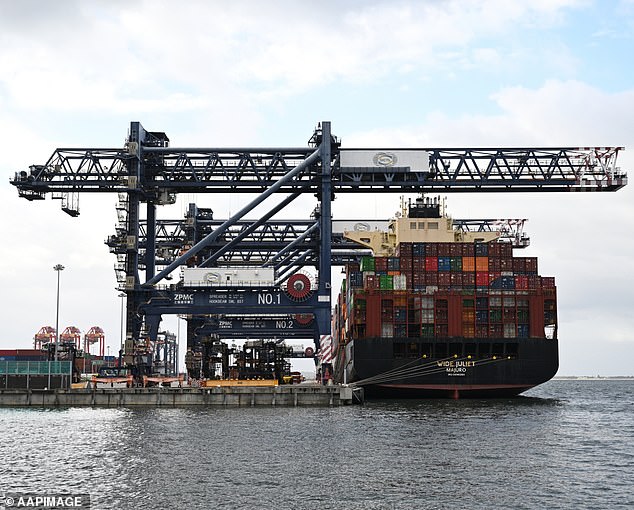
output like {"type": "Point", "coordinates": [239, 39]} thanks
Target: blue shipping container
{"type": "Point", "coordinates": [444, 263]}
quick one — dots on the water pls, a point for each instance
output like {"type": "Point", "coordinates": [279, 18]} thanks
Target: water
{"type": "Point", "coordinates": [567, 444]}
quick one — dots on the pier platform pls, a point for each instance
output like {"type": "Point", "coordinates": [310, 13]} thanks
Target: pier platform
{"type": "Point", "coordinates": [300, 395]}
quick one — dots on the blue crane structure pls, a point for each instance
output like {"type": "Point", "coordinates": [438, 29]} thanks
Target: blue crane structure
{"type": "Point", "coordinates": [147, 172]}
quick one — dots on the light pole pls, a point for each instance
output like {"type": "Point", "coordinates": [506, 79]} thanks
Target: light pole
{"type": "Point", "coordinates": [59, 268]}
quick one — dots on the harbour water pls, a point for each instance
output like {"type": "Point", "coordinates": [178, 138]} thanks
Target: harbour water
{"type": "Point", "coordinates": [566, 444]}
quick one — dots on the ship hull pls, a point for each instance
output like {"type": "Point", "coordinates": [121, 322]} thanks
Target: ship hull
{"type": "Point", "coordinates": [449, 369]}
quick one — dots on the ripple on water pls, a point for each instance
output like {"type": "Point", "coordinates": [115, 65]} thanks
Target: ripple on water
{"type": "Point", "coordinates": [567, 444]}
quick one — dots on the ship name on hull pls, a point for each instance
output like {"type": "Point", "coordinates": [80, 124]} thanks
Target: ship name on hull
{"type": "Point", "coordinates": [455, 368]}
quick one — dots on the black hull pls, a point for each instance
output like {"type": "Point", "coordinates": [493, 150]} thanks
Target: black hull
{"type": "Point", "coordinates": [449, 369]}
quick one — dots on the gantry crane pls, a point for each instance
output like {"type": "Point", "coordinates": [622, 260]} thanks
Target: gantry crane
{"type": "Point", "coordinates": [95, 335]}
{"type": "Point", "coordinates": [147, 173]}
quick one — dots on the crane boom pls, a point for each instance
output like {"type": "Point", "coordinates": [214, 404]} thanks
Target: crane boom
{"type": "Point", "coordinates": [215, 170]}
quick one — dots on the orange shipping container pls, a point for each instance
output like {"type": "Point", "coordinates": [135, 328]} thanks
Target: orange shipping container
{"type": "Point", "coordinates": [468, 264]}
{"type": "Point", "coordinates": [482, 264]}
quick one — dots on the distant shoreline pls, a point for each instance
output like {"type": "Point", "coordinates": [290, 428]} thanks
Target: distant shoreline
{"type": "Point", "coordinates": [594, 378]}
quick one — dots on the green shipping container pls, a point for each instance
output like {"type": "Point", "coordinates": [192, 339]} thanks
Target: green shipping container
{"type": "Point", "coordinates": [367, 263]}
{"type": "Point", "coordinates": [386, 282]}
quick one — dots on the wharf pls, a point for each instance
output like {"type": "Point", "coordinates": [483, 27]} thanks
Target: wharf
{"type": "Point", "coordinates": [301, 395]}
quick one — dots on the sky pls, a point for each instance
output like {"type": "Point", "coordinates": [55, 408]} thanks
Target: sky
{"type": "Point", "coordinates": [426, 74]}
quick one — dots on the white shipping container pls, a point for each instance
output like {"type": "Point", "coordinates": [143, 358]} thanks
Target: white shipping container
{"type": "Point", "coordinates": [414, 160]}
{"type": "Point", "coordinates": [400, 282]}
{"type": "Point", "coordinates": [228, 277]}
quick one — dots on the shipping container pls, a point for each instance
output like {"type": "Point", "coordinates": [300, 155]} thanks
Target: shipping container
{"type": "Point", "coordinates": [431, 264]}
{"type": "Point", "coordinates": [481, 249]}
{"type": "Point", "coordinates": [469, 279]}
{"type": "Point", "coordinates": [494, 264]}
{"type": "Point", "coordinates": [456, 263]}
{"type": "Point", "coordinates": [531, 265]}
{"type": "Point", "coordinates": [521, 282]}
{"type": "Point", "coordinates": [404, 250]}
{"type": "Point", "coordinates": [356, 279]}
{"type": "Point", "coordinates": [367, 264]}
{"type": "Point", "coordinates": [393, 264]}
{"type": "Point", "coordinates": [482, 263]}
{"type": "Point", "coordinates": [506, 264]}
{"type": "Point", "coordinates": [418, 250]}
{"type": "Point", "coordinates": [228, 277]}
{"type": "Point", "coordinates": [418, 264]}
{"type": "Point", "coordinates": [386, 282]}
{"type": "Point", "coordinates": [482, 279]}
{"type": "Point", "coordinates": [444, 264]}
{"type": "Point", "coordinates": [444, 249]}
{"type": "Point", "coordinates": [519, 265]}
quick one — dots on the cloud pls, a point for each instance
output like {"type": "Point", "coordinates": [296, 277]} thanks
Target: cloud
{"type": "Point", "coordinates": [76, 73]}
{"type": "Point", "coordinates": [152, 56]}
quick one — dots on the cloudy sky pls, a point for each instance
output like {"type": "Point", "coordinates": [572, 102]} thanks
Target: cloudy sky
{"type": "Point", "coordinates": [386, 73]}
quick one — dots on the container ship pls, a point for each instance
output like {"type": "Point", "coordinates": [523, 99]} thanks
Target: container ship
{"type": "Point", "coordinates": [440, 312]}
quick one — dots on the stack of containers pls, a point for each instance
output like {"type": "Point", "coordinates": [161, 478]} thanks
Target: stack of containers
{"type": "Point", "coordinates": [472, 290]}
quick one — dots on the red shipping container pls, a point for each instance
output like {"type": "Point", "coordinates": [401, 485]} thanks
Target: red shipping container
{"type": "Point", "coordinates": [373, 314]}
{"type": "Point", "coordinates": [548, 282]}
{"type": "Point", "coordinates": [494, 264]}
{"type": "Point", "coordinates": [468, 250]}
{"type": "Point", "coordinates": [534, 282]}
{"type": "Point", "coordinates": [456, 279]}
{"type": "Point", "coordinates": [444, 279]}
{"type": "Point", "coordinates": [521, 282]}
{"type": "Point", "coordinates": [455, 315]}
{"type": "Point", "coordinates": [432, 279]}
{"type": "Point", "coordinates": [455, 250]}
{"type": "Point", "coordinates": [482, 331]}
{"type": "Point", "coordinates": [380, 263]}
{"type": "Point", "coordinates": [404, 250]}
{"type": "Point", "coordinates": [519, 265]}
{"type": "Point", "coordinates": [444, 249]}
{"type": "Point", "coordinates": [506, 264]}
{"type": "Point", "coordinates": [418, 263]}
{"type": "Point", "coordinates": [536, 316]}
{"type": "Point", "coordinates": [494, 277]}
{"type": "Point", "coordinates": [431, 264]}
{"type": "Point", "coordinates": [431, 249]}
{"type": "Point", "coordinates": [482, 279]}
{"type": "Point", "coordinates": [469, 279]}
{"type": "Point", "coordinates": [495, 249]}
{"type": "Point", "coordinates": [406, 263]}
{"type": "Point", "coordinates": [531, 265]}
{"type": "Point", "coordinates": [506, 250]}
{"type": "Point", "coordinates": [371, 281]}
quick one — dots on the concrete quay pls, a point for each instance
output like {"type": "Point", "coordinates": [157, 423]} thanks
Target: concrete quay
{"type": "Point", "coordinates": [301, 395]}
